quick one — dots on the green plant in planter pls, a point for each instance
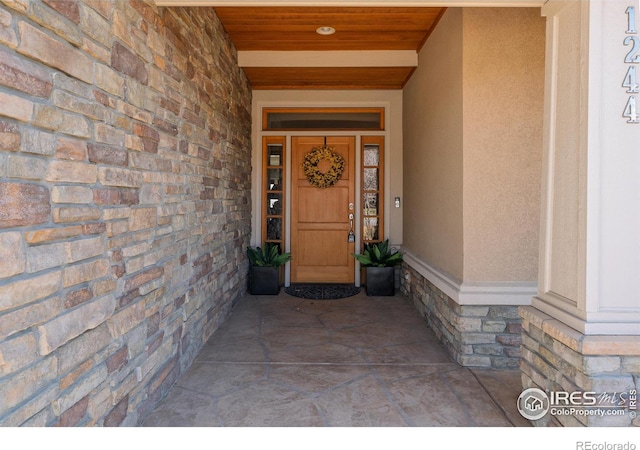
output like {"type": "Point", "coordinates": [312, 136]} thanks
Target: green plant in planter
{"type": "Point", "coordinates": [264, 270]}
{"type": "Point", "coordinates": [379, 255]}
{"type": "Point", "coordinates": [270, 256]}
{"type": "Point", "coordinates": [379, 261]}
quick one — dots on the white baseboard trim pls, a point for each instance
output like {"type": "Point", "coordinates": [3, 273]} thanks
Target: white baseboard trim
{"type": "Point", "coordinates": [476, 293]}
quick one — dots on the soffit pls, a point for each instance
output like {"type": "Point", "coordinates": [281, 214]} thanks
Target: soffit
{"type": "Point", "coordinates": [381, 33]}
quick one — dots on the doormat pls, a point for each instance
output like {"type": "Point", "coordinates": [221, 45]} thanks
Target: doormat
{"type": "Point", "coordinates": [322, 291]}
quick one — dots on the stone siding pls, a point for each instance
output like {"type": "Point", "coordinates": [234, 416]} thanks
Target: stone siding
{"type": "Point", "coordinates": [125, 209]}
{"type": "Point", "coordinates": [475, 336]}
{"type": "Point", "coordinates": [556, 357]}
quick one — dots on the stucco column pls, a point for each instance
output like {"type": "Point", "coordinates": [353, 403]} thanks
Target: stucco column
{"type": "Point", "coordinates": [586, 315]}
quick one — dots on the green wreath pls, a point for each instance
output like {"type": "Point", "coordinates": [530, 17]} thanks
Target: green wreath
{"type": "Point", "coordinates": [313, 173]}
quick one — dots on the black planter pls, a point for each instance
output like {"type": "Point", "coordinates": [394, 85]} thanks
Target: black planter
{"type": "Point", "coordinates": [380, 281]}
{"type": "Point", "coordinates": [264, 280]}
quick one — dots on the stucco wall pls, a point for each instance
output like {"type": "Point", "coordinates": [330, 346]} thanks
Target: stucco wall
{"type": "Point", "coordinates": [473, 139]}
{"type": "Point", "coordinates": [433, 145]}
{"type": "Point", "coordinates": [124, 204]}
{"type": "Point", "coordinates": [503, 79]}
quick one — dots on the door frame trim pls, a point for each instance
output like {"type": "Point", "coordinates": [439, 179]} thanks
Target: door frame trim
{"type": "Point", "coordinates": [288, 186]}
{"type": "Point", "coordinates": [388, 101]}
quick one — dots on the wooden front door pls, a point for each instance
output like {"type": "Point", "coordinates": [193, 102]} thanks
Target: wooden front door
{"type": "Point", "coordinates": [320, 224]}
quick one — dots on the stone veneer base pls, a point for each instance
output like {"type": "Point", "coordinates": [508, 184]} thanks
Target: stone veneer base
{"type": "Point", "coordinates": [556, 357]}
{"type": "Point", "coordinates": [475, 335]}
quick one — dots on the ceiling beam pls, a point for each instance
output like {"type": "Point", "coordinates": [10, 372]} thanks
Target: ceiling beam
{"type": "Point", "coordinates": [359, 58]}
{"type": "Point", "coordinates": [347, 3]}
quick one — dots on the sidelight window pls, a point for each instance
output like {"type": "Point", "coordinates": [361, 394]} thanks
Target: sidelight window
{"type": "Point", "coordinates": [372, 195]}
{"type": "Point", "coordinates": [273, 197]}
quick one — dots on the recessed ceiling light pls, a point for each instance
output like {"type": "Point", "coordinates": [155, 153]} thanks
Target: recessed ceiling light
{"type": "Point", "coordinates": [325, 31]}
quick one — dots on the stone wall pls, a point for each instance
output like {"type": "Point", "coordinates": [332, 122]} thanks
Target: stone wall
{"type": "Point", "coordinates": [124, 203]}
{"type": "Point", "coordinates": [556, 358]}
{"type": "Point", "coordinates": [474, 335]}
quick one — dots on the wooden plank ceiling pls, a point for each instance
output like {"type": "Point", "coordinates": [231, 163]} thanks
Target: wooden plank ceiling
{"type": "Point", "coordinates": [285, 29]}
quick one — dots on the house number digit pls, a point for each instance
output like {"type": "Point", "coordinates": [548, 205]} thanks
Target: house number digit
{"type": "Point", "coordinates": [630, 111]}
{"type": "Point", "coordinates": [632, 57]}
{"type": "Point", "coordinates": [631, 19]}
{"type": "Point", "coordinates": [630, 81]}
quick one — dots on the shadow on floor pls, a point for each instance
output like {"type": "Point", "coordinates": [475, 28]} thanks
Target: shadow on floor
{"type": "Point", "coordinates": [283, 361]}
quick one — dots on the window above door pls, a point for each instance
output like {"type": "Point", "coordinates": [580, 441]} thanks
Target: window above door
{"type": "Point", "coordinates": [344, 119]}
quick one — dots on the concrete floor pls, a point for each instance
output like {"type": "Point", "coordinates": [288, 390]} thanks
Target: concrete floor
{"type": "Point", "coordinates": [282, 361]}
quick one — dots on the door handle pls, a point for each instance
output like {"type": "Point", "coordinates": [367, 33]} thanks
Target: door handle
{"type": "Point", "coordinates": [352, 235]}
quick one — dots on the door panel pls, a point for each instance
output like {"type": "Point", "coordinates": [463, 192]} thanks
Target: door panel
{"type": "Point", "coordinates": [332, 200]}
{"type": "Point", "coordinates": [313, 243]}
{"type": "Point", "coordinates": [320, 251]}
